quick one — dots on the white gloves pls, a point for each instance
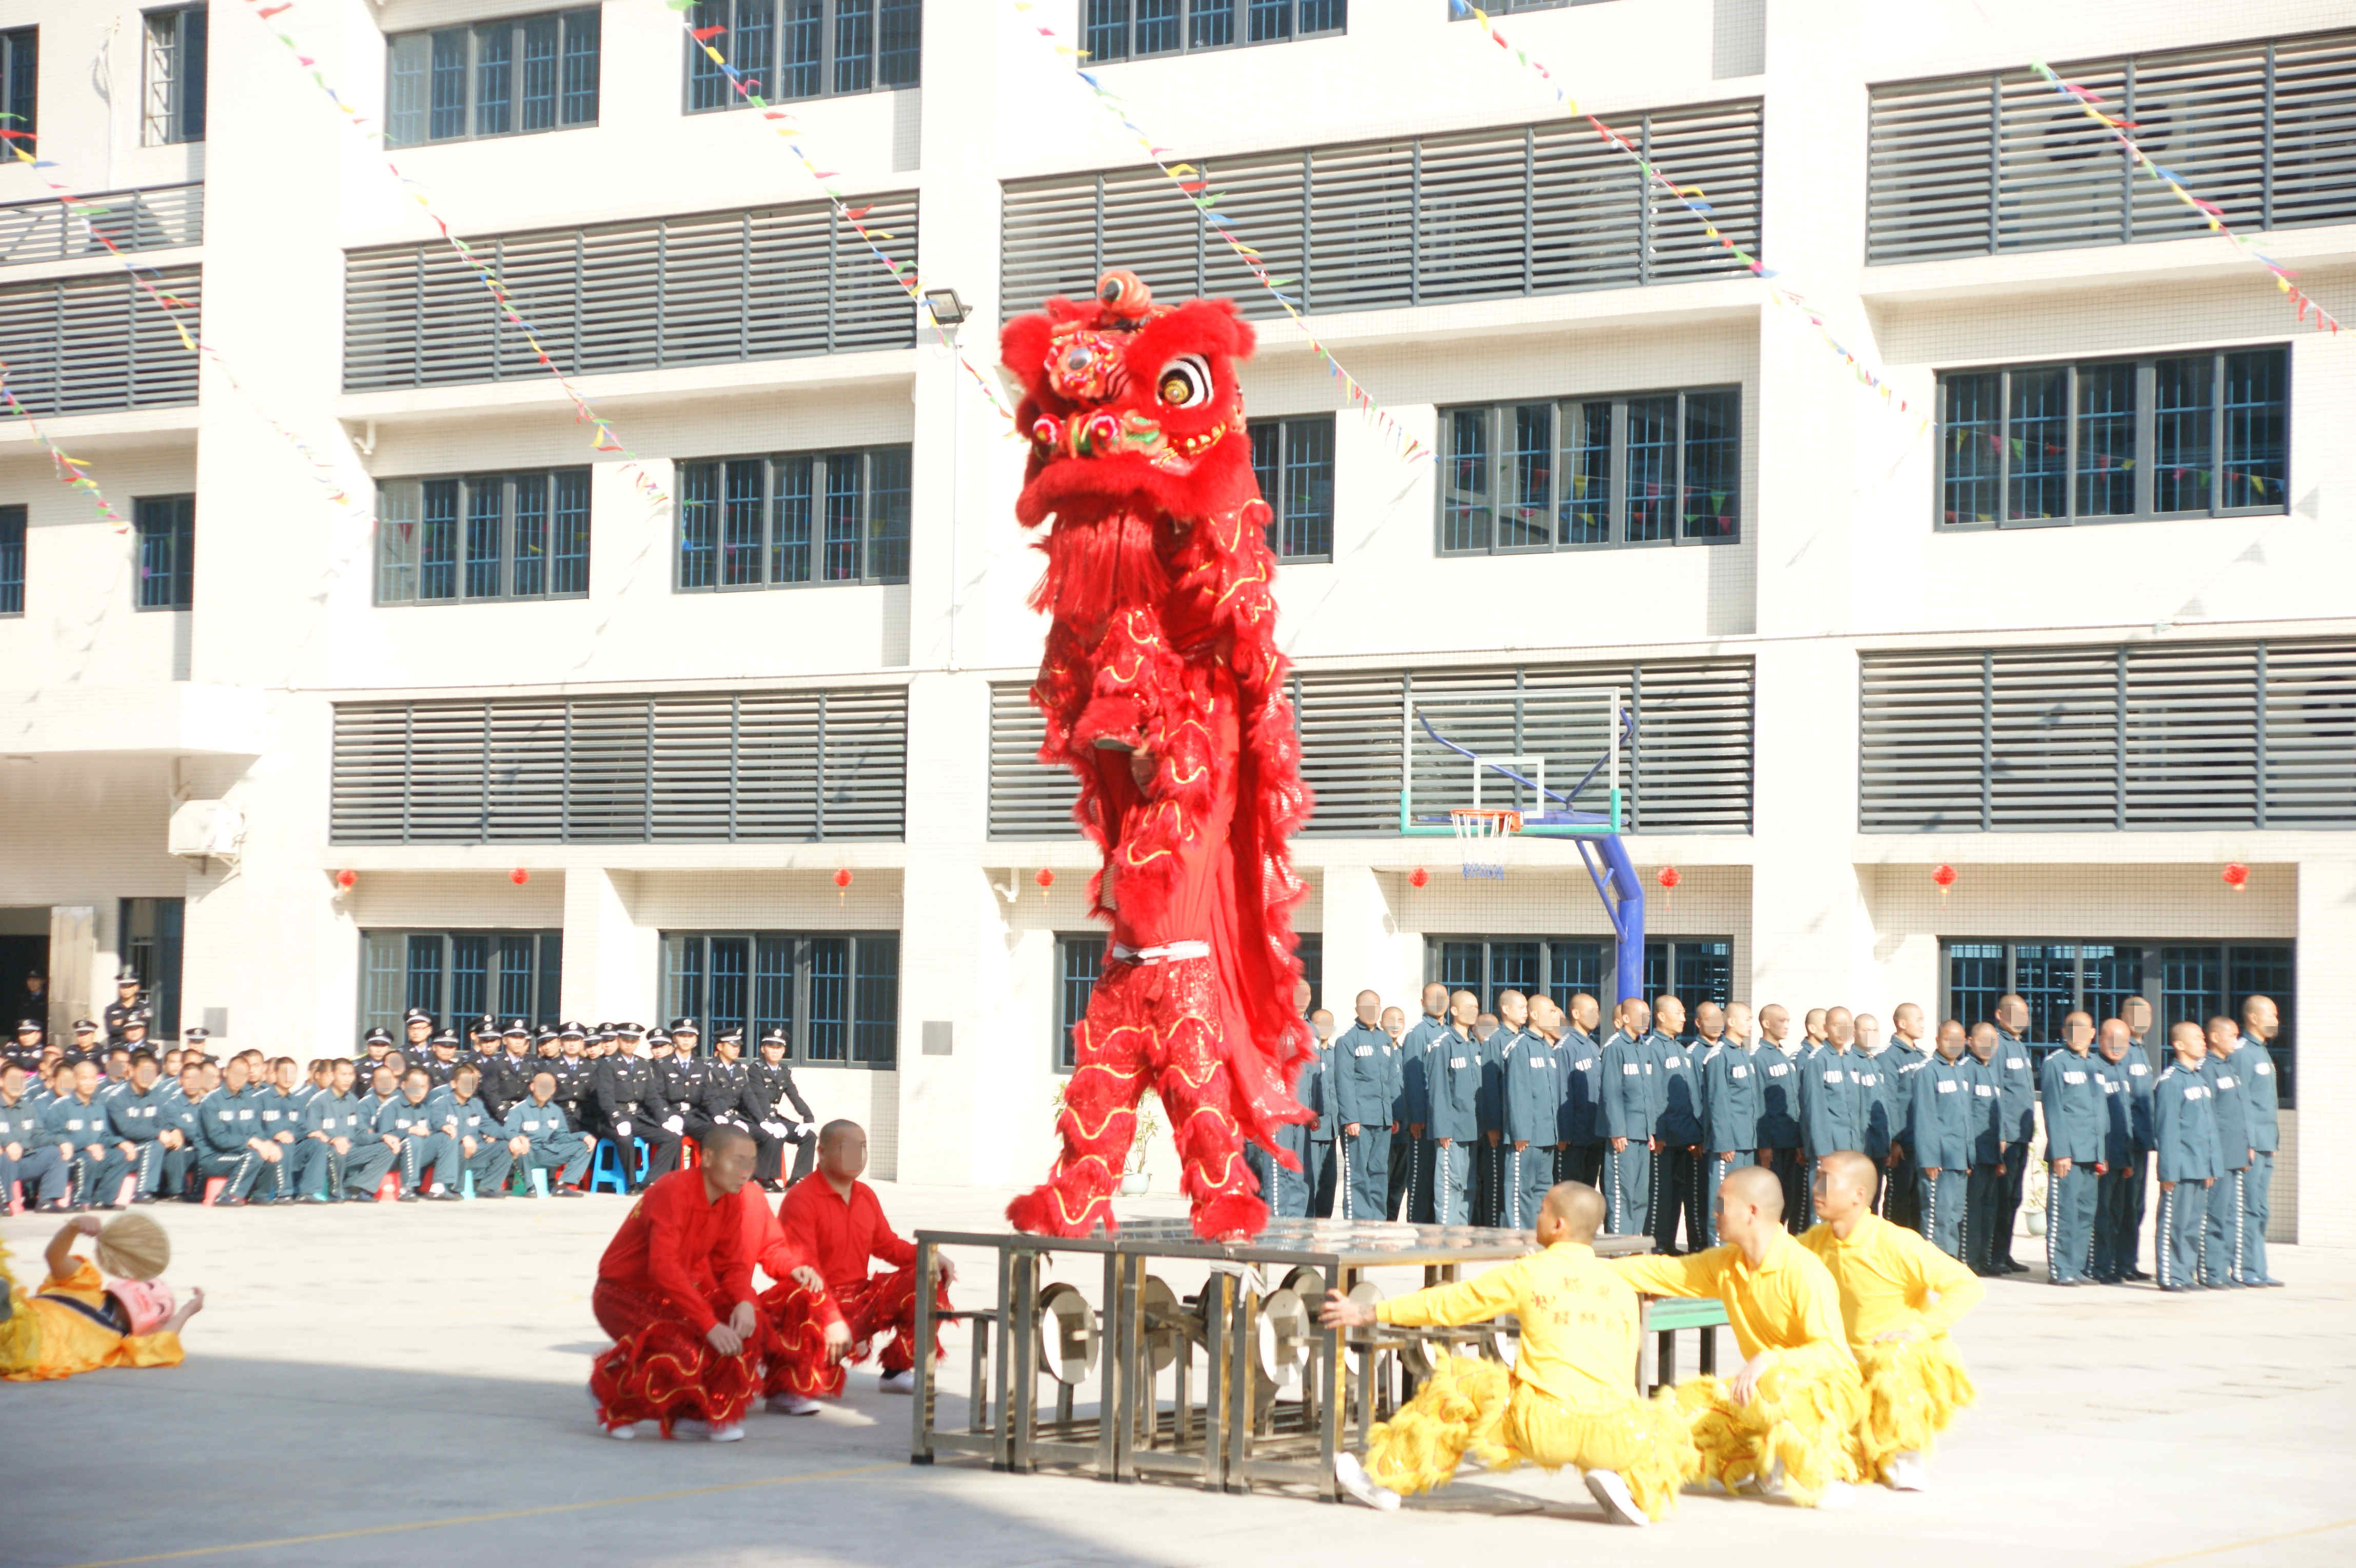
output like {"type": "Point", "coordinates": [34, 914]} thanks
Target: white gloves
{"type": "Point", "coordinates": [674, 1124]}
{"type": "Point", "coordinates": [773, 1129]}
{"type": "Point", "coordinates": [623, 1128]}
{"type": "Point", "coordinates": [806, 1129]}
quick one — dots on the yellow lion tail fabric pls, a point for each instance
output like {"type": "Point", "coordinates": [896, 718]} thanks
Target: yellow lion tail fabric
{"type": "Point", "coordinates": [1912, 1390]}
{"type": "Point", "coordinates": [20, 1336]}
{"type": "Point", "coordinates": [1461, 1408]}
{"type": "Point", "coordinates": [1807, 1422]}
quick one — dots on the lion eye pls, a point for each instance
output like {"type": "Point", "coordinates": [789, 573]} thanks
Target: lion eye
{"type": "Point", "coordinates": [1184, 381]}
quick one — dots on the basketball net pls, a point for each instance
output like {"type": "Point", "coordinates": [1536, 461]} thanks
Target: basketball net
{"type": "Point", "coordinates": [1482, 833]}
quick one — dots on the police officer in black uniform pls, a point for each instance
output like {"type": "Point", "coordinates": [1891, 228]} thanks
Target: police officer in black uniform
{"type": "Point", "coordinates": [416, 1030]}
{"type": "Point", "coordinates": [375, 1045]}
{"type": "Point", "coordinates": [719, 1095]}
{"type": "Point", "coordinates": [25, 1048]}
{"type": "Point", "coordinates": [506, 1077]}
{"type": "Point", "coordinates": [575, 1075]}
{"type": "Point", "coordinates": [630, 1104]}
{"type": "Point", "coordinates": [778, 1108]}
{"type": "Point", "coordinates": [442, 1063]}
{"type": "Point", "coordinates": [127, 1001]}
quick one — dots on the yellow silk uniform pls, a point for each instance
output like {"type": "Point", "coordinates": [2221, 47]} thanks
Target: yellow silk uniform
{"type": "Point", "coordinates": [1892, 1281]}
{"type": "Point", "coordinates": [1810, 1400]}
{"type": "Point", "coordinates": [1570, 1400]}
{"type": "Point", "coordinates": [52, 1334]}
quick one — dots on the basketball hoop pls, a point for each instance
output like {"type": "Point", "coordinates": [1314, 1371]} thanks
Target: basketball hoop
{"type": "Point", "coordinates": [1481, 835]}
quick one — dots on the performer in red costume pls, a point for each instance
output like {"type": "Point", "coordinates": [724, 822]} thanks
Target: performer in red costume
{"type": "Point", "coordinates": [677, 1263]}
{"type": "Point", "coordinates": [1163, 691]}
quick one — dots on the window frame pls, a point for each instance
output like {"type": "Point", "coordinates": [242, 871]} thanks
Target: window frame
{"type": "Point", "coordinates": [671, 979]}
{"type": "Point", "coordinates": [14, 528]}
{"type": "Point", "coordinates": [2146, 416]}
{"type": "Point", "coordinates": [1435, 946]}
{"type": "Point", "coordinates": [168, 115]}
{"type": "Point", "coordinates": [1063, 1058]}
{"type": "Point", "coordinates": [696, 66]}
{"type": "Point", "coordinates": [1495, 413]}
{"type": "Point", "coordinates": [2153, 959]}
{"type": "Point", "coordinates": [177, 531]}
{"type": "Point", "coordinates": [545, 982]}
{"type": "Point", "coordinates": [392, 512]}
{"type": "Point", "coordinates": [20, 66]}
{"type": "Point", "coordinates": [153, 936]}
{"type": "Point", "coordinates": [567, 19]}
{"type": "Point", "coordinates": [1240, 17]}
{"type": "Point", "coordinates": [1279, 501]}
{"type": "Point", "coordinates": [1516, 7]}
{"type": "Point", "coordinates": [773, 498]}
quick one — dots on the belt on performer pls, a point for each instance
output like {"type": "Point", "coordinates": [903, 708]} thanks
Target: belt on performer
{"type": "Point", "coordinates": [1169, 952]}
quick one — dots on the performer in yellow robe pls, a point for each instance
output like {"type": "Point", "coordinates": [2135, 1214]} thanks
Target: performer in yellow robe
{"type": "Point", "coordinates": [1784, 1421]}
{"type": "Point", "coordinates": [78, 1321]}
{"type": "Point", "coordinates": [1571, 1398]}
{"type": "Point", "coordinates": [1899, 1297]}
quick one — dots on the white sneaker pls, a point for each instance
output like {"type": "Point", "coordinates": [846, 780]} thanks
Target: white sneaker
{"type": "Point", "coordinates": [731, 1433]}
{"type": "Point", "coordinates": [900, 1382]}
{"type": "Point", "coordinates": [1361, 1485]}
{"type": "Point", "coordinates": [1909, 1474]}
{"type": "Point", "coordinates": [791, 1404]}
{"type": "Point", "coordinates": [1610, 1494]}
{"type": "Point", "coordinates": [688, 1426]}
{"type": "Point", "coordinates": [1836, 1496]}
{"type": "Point", "coordinates": [1771, 1482]}
{"type": "Point", "coordinates": [622, 1434]}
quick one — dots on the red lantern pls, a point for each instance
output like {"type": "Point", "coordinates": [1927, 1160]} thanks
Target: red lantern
{"type": "Point", "coordinates": [2237, 876]}
{"type": "Point", "coordinates": [347, 879]}
{"type": "Point", "coordinates": [1417, 877]}
{"type": "Point", "coordinates": [841, 884]}
{"type": "Point", "coordinates": [1944, 876]}
{"type": "Point", "coordinates": [1045, 879]}
{"type": "Point", "coordinates": [1668, 879]}
{"type": "Point", "coordinates": [518, 876]}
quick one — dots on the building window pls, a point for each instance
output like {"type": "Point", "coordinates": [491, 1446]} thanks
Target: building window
{"type": "Point", "coordinates": [175, 76]}
{"type": "Point", "coordinates": [1310, 948]}
{"type": "Point", "coordinates": [1079, 958]}
{"type": "Point", "coordinates": [1457, 12]}
{"type": "Point", "coordinates": [835, 996]}
{"type": "Point", "coordinates": [2204, 434]}
{"type": "Point", "coordinates": [791, 520]}
{"type": "Point", "coordinates": [1130, 29]}
{"type": "Point", "coordinates": [1694, 969]}
{"type": "Point", "coordinates": [459, 976]}
{"type": "Point", "coordinates": [150, 949]}
{"type": "Point", "coordinates": [2184, 983]}
{"type": "Point", "coordinates": [20, 82]}
{"type": "Point", "coordinates": [168, 551]}
{"type": "Point", "coordinates": [803, 48]}
{"type": "Point", "coordinates": [12, 560]}
{"type": "Point", "coordinates": [493, 79]}
{"type": "Point", "coordinates": [1653, 469]}
{"type": "Point", "coordinates": [1557, 967]}
{"type": "Point", "coordinates": [1293, 460]}
{"type": "Point", "coordinates": [483, 536]}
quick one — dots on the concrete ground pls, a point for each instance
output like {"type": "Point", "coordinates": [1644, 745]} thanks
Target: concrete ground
{"type": "Point", "coordinates": [396, 1384]}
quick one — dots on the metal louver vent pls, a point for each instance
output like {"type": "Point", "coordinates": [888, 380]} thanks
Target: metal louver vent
{"type": "Point", "coordinates": [1519, 209]}
{"type": "Point", "coordinates": [1689, 772]}
{"type": "Point", "coordinates": [706, 288]}
{"type": "Point", "coordinates": [673, 768]}
{"type": "Point", "coordinates": [2181, 735]}
{"type": "Point", "coordinates": [155, 218]}
{"type": "Point", "coordinates": [92, 344]}
{"type": "Point", "coordinates": [1967, 166]}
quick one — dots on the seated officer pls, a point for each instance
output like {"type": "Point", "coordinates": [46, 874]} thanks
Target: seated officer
{"type": "Point", "coordinates": [339, 1157]}
{"type": "Point", "coordinates": [408, 1126]}
{"type": "Point", "coordinates": [466, 1119]}
{"type": "Point", "coordinates": [76, 1119]}
{"type": "Point", "coordinates": [506, 1077]}
{"type": "Point", "coordinates": [541, 1137]}
{"type": "Point", "coordinates": [441, 1063]}
{"type": "Point", "coordinates": [27, 1152]}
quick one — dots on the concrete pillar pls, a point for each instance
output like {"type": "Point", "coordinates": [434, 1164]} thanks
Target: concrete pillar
{"type": "Point", "coordinates": [2323, 1164]}
{"type": "Point", "coordinates": [1811, 935]}
{"type": "Point", "coordinates": [73, 962]}
{"type": "Point", "coordinates": [1365, 947]}
{"type": "Point", "coordinates": [610, 962]}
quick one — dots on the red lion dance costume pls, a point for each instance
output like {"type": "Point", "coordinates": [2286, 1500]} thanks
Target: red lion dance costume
{"type": "Point", "coordinates": [1163, 691]}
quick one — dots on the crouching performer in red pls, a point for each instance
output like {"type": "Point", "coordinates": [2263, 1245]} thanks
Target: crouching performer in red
{"type": "Point", "coordinates": [1164, 691]}
{"type": "Point", "coordinates": [675, 1290]}
{"type": "Point", "coordinates": [832, 1221]}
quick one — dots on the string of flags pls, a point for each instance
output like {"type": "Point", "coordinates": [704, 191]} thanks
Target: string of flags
{"type": "Point", "coordinates": [905, 275]}
{"type": "Point", "coordinates": [1694, 200]}
{"type": "Point", "coordinates": [1195, 186]}
{"type": "Point", "coordinates": [71, 471]}
{"type": "Point", "coordinates": [2213, 214]}
{"type": "Point", "coordinates": [603, 439]}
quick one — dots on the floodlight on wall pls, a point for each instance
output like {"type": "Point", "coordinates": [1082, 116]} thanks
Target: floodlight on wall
{"type": "Point", "coordinates": [947, 310]}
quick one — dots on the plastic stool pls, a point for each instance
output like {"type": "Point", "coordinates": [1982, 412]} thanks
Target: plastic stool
{"type": "Point", "coordinates": [128, 1190]}
{"type": "Point", "coordinates": [606, 1167]}
{"type": "Point", "coordinates": [213, 1186]}
{"type": "Point", "coordinates": [466, 1184]}
{"type": "Point", "coordinates": [539, 1175]}
{"type": "Point", "coordinates": [389, 1189]}
{"type": "Point", "coordinates": [689, 1149]}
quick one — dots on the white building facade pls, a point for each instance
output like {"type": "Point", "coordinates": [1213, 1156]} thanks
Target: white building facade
{"type": "Point", "coordinates": [2071, 624]}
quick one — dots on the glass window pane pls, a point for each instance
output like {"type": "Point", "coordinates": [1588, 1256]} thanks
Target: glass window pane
{"type": "Point", "coordinates": [1465, 966]}
{"type": "Point", "coordinates": [552, 976]}
{"type": "Point", "coordinates": [1573, 967]}
{"type": "Point", "coordinates": [1323, 16]}
{"type": "Point", "coordinates": [828, 1035]}
{"type": "Point", "coordinates": [2183, 391]}
{"type": "Point", "coordinates": [515, 990]}
{"type": "Point", "coordinates": [581, 54]}
{"type": "Point", "coordinates": [773, 988]}
{"type": "Point", "coordinates": [1975, 979]}
{"type": "Point", "coordinates": [1267, 463]}
{"type": "Point", "coordinates": [1713, 464]}
{"type": "Point", "coordinates": [682, 977]}
{"type": "Point", "coordinates": [1210, 24]}
{"type": "Point", "coordinates": [396, 536]}
{"type": "Point", "coordinates": [1513, 966]}
{"type": "Point", "coordinates": [470, 963]}
{"type": "Point", "coordinates": [384, 976]}
{"type": "Point", "coordinates": [1704, 973]}
{"type": "Point", "coordinates": [1465, 482]}
{"type": "Point", "coordinates": [12, 560]}
{"type": "Point", "coordinates": [1970, 448]}
{"type": "Point", "coordinates": [494, 79]}
{"type": "Point", "coordinates": [1650, 497]}
{"type": "Point", "coordinates": [1157, 27]}
{"type": "Point", "coordinates": [1078, 960]}
{"type": "Point", "coordinates": [740, 545]}
{"type": "Point", "coordinates": [449, 84]}
{"type": "Point", "coordinates": [698, 486]}
{"type": "Point", "coordinates": [1268, 20]}
{"type": "Point", "coordinates": [1656, 972]}
{"type": "Point", "coordinates": [2113, 974]}
{"type": "Point", "coordinates": [1107, 26]}
{"type": "Point", "coordinates": [802, 48]}
{"type": "Point", "coordinates": [707, 84]}
{"type": "Point", "coordinates": [2036, 437]}
{"type": "Point", "coordinates": [1308, 489]}
{"type": "Point", "coordinates": [1584, 510]}
{"type": "Point", "coordinates": [437, 549]}
{"type": "Point", "coordinates": [531, 534]}
{"type": "Point", "coordinates": [887, 514]}
{"type": "Point", "coordinates": [843, 520]}
{"type": "Point", "coordinates": [537, 109]}
{"type": "Point", "coordinates": [486, 530]}
{"type": "Point", "coordinates": [1528, 472]}
{"type": "Point", "coordinates": [731, 960]}
{"type": "Point", "coordinates": [2268, 972]}
{"type": "Point", "coordinates": [425, 974]}
{"type": "Point", "coordinates": [789, 523]}
{"type": "Point", "coordinates": [2191, 986]}
{"type": "Point", "coordinates": [2106, 421]}
{"type": "Point", "coordinates": [409, 58]}
{"type": "Point", "coordinates": [899, 43]}
{"type": "Point", "coordinates": [2046, 975]}
{"type": "Point", "coordinates": [876, 1002]}
{"type": "Point", "coordinates": [2256, 409]}
{"type": "Point", "coordinates": [568, 544]}
{"type": "Point", "coordinates": [854, 44]}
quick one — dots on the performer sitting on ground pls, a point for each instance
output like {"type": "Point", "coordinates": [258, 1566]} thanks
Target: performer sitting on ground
{"type": "Point", "coordinates": [78, 1321]}
{"type": "Point", "coordinates": [1899, 1297]}
{"type": "Point", "coordinates": [834, 1221]}
{"type": "Point", "coordinates": [677, 1265]}
{"type": "Point", "coordinates": [796, 1306]}
{"type": "Point", "coordinates": [1784, 1421]}
{"type": "Point", "coordinates": [1570, 1399]}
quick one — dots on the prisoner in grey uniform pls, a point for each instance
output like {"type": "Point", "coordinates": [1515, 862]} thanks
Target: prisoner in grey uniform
{"type": "Point", "coordinates": [1943, 1115]}
{"type": "Point", "coordinates": [1455, 1089]}
{"type": "Point", "coordinates": [2071, 1092]}
{"type": "Point", "coordinates": [2225, 1256]}
{"type": "Point", "coordinates": [2184, 1126]}
{"type": "Point", "coordinates": [2261, 1113]}
{"type": "Point", "coordinates": [1628, 1122]}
